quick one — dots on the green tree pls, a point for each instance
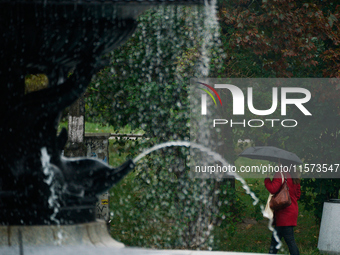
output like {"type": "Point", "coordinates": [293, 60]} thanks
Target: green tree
{"type": "Point", "coordinates": [294, 39]}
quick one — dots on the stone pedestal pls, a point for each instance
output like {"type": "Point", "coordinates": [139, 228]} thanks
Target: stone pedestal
{"type": "Point", "coordinates": [76, 130]}
{"type": "Point", "coordinates": [330, 228]}
{"type": "Point", "coordinates": [97, 145]}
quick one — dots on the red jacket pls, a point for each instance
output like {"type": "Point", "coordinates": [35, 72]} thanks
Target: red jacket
{"type": "Point", "coordinates": [287, 216]}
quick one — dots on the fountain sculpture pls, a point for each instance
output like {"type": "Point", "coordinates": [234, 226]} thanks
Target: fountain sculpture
{"type": "Point", "coordinates": [64, 39]}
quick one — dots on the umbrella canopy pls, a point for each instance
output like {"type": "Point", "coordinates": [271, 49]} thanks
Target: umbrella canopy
{"type": "Point", "coordinates": [271, 153]}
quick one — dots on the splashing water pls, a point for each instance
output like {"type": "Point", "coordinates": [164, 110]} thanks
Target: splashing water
{"type": "Point", "coordinates": [210, 36]}
{"type": "Point", "coordinates": [53, 199]}
{"type": "Point", "coordinates": [219, 158]}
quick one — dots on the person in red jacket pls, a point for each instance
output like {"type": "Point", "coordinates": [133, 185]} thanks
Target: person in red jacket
{"type": "Point", "coordinates": [286, 219]}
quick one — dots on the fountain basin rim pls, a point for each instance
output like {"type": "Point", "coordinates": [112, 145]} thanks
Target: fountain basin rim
{"type": "Point", "coordinates": [94, 233]}
{"type": "Point", "coordinates": [106, 2]}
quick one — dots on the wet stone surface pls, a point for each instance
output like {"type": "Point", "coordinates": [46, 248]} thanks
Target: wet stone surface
{"type": "Point", "coordinates": [89, 234]}
{"type": "Point", "coordinates": [85, 250]}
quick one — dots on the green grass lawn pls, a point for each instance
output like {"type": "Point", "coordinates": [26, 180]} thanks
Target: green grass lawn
{"type": "Point", "coordinates": [253, 235]}
{"type": "Point", "coordinates": [97, 128]}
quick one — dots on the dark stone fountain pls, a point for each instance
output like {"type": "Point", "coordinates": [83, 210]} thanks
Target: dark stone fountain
{"type": "Point", "coordinates": [65, 40]}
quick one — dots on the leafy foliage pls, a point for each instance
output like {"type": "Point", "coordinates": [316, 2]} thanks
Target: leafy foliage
{"type": "Point", "coordinates": [291, 38]}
